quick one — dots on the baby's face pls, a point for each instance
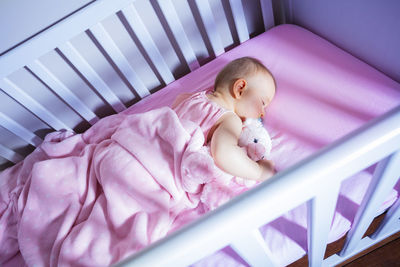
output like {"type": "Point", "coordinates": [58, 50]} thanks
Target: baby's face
{"type": "Point", "coordinates": [260, 92]}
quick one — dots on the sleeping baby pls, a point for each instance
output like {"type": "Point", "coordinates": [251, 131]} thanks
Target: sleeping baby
{"type": "Point", "coordinates": [242, 90]}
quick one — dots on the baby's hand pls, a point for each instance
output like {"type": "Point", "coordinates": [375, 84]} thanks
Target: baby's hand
{"type": "Point", "coordinates": [267, 169]}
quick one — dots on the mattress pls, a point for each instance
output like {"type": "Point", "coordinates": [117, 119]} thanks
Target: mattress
{"type": "Point", "coordinates": [323, 93]}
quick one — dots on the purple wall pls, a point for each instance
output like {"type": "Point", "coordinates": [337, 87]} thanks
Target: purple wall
{"type": "Point", "coordinates": [368, 29]}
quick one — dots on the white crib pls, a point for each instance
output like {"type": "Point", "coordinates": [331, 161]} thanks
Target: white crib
{"type": "Point", "coordinates": [29, 117]}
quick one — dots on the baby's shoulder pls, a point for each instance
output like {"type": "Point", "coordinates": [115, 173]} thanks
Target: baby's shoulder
{"type": "Point", "coordinates": [230, 120]}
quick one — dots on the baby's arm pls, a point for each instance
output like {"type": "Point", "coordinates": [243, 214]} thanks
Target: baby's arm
{"type": "Point", "coordinates": [230, 157]}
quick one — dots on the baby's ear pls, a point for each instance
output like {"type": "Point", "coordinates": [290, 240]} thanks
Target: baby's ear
{"type": "Point", "coordinates": [238, 87]}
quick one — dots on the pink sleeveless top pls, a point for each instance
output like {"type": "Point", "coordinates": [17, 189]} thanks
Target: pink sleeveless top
{"type": "Point", "coordinates": [200, 110]}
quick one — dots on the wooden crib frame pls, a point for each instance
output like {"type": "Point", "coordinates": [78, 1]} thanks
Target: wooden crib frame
{"type": "Point", "coordinates": [378, 141]}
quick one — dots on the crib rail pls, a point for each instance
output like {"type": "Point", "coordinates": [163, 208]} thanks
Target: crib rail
{"type": "Point", "coordinates": [87, 94]}
{"type": "Point", "coordinates": [237, 222]}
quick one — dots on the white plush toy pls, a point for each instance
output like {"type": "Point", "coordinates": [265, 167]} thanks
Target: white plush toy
{"type": "Point", "coordinates": [255, 139]}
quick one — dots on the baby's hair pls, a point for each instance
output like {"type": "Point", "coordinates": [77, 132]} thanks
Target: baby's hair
{"type": "Point", "coordinates": [239, 68]}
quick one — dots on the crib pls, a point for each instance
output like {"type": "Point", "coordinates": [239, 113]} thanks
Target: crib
{"type": "Point", "coordinates": [37, 98]}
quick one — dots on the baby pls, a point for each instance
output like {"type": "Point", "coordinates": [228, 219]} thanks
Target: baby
{"type": "Point", "coordinates": [242, 89]}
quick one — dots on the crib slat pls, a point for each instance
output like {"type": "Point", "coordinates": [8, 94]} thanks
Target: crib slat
{"type": "Point", "coordinates": [252, 248]}
{"type": "Point", "coordinates": [143, 35]}
{"type": "Point", "coordinates": [209, 23]}
{"type": "Point", "coordinates": [239, 19]}
{"type": "Point", "coordinates": [267, 13]}
{"type": "Point", "coordinates": [383, 180]}
{"type": "Point", "coordinates": [14, 127]}
{"type": "Point", "coordinates": [10, 155]}
{"type": "Point", "coordinates": [392, 216]}
{"type": "Point", "coordinates": [91, 75]}
{"type": "Point", "coordinates": [172, 18]}
{"type": "Point", "coordinates": [119, 59]}
{"type": "Point", "coordinates": [62, 91]}
{"type": "Point", "coordinates": [320, 214]}
{"type": "Point", "coordinates": [31, 104]}
{"type": "Point", "coordinates": [365, 243]}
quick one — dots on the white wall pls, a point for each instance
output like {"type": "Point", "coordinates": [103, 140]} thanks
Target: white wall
{"type": "Point", "coordinates": [368, 29]}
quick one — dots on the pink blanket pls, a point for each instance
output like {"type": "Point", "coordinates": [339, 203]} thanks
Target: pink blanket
{"type": "Point", "coordinates": [94, 198]}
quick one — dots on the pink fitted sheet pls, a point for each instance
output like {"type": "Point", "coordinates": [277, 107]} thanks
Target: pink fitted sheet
{"type": "Point", "coordinates": [323, 93]}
